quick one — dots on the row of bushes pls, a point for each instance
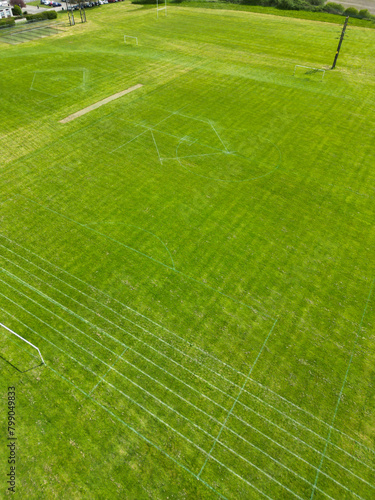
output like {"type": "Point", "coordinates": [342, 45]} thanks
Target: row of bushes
{"type": "Point", "coordinates": [48, 14]}
{"type": "Point", "coordinates": [311, 5]}
{"type": "Point", "coordinates": [337, 8]}
{"type": "Point", "coordinates": [10, 21]}
{"type": "Point", "coordinates": [7, 22]}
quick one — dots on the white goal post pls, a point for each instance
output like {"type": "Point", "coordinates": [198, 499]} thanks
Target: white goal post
{"type": "Point", "coordinates": [312, 70]}
{"type": "Point", "coordinates": [27, 342]}
{"type": "Point", "coordinates": [161, 8]}
{"type": "Point", "coordinates": [133, 37]}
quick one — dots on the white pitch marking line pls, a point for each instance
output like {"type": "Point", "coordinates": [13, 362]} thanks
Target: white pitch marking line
{"type": "Point", "coordinates": [193, 118]}
{"type": "Point", "coordinates": [184, 139]}
{"type": "Point", "coordinates": [126, 143]}
{"type": "Point", "coordinates": [157, 150]}
{"type": "Point", "coordinates": [237, 398]}
{"type": "Point", "coordinates": [109, 321]}
{"type": "Point", "coordinates": [342, 390]}
{"type": "Point", "coordinates": [110, 368]}
{"type": "Point", "coordinates": [226, 149]}
{"type": "Point", "coordinates": [193, 156]}
{"type": "Point", "coordinates": [161, 121]}
{"type": "Point", "coordinates": [32, 83]}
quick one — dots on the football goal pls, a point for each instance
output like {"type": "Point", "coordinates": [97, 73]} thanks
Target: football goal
{"type": "Point", "coordinates": [308, 71]}
{"type": "Point", "coordinates": [24, 340]}
{"type": "Point", "coordinates": [133, 40]}
{"type": "Point", "coordinates": [161, 8]}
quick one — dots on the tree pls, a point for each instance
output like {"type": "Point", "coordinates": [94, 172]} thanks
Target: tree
{"type": "Point", "coordinates": [20, 3]}
{"type": "Point", "coordinates": [364, 13]}
{"type": "Point", "coordinates": [334, 8]}
{"type": "Point", "coordinates": [351, 11]}
{"type": "Point", "coordinates": [16, 10]}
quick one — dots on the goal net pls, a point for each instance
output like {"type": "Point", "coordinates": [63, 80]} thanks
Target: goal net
{"type": "Point", "coordinates": [309, 72]}
{"type": "Point", "coordinates": [161, 6]}
{"type": "Point", "coordinates": [17, 351]}
{"type": "Point", "coordinates": [131, 39]}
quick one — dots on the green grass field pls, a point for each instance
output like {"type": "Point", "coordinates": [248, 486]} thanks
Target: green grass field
{"type": "Point", "coordinates": [194, 260]}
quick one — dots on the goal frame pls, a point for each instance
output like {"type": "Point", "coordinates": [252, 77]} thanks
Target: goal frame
{"type": "Point", "coordinates": [323, 71]}
{"type": "Point", "coordinates": [27, 342]}
{"type": "Point", "coordinates": [130, 36]}
{"type": "Point", "coordinates": [161, 8]}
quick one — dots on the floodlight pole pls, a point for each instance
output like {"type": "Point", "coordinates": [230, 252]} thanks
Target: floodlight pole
{"type": "Point", "coordinates": [340, 42]}
{"type": "Point", "coordinates": [70, 12]}
{"type": "Point", "coordinates": [82, 11]}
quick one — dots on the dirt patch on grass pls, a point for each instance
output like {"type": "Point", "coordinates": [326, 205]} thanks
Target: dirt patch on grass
{"type": "Point", "coordinates": [100, 103]}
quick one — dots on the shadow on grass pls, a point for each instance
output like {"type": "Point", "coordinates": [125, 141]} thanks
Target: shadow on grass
{"type": "Point", "coordinates": [21, 371]}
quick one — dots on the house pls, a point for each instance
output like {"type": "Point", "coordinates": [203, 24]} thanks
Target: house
{"type": "Point", "coordinates": [5, 10]}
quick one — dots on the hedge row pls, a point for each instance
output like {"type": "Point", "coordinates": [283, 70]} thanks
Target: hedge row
{"type": "Point", "coordinates": [311, 5]}
{"type": "Point", "coordinates": [307, 5]}
{"type": "Point", "coordinates": [337, 8]}
{"type": "Point", "coordinates": [7, 22]}
{"type": "Point", "coordinates": [48, 14]}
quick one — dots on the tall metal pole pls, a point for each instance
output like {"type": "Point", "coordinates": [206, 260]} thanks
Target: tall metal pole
{"type": "Point", "coordinates": [70, 12]}
{"type": "Point", "coordinates": [82, 11]}
{"type": "Point", "coordinates": [340, 42]}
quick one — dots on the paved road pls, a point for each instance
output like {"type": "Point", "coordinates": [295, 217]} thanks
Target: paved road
{"type": "Point", "coordinates": [33, 9]}
{"type": "Point", "coordinates": [359, 4]}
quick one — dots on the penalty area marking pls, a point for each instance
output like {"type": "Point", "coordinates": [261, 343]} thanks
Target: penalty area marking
{"type": "Point", "coordinates": [100, 103]}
